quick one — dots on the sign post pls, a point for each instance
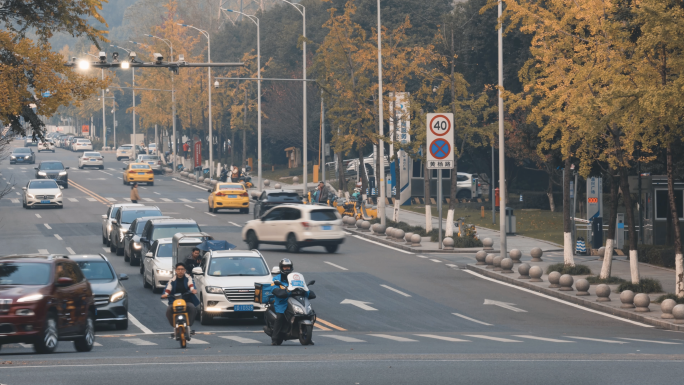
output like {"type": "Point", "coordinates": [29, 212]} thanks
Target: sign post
{"type": "Point", "coordinates": [440, 154]}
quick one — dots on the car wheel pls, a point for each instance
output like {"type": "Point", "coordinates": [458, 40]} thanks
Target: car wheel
{"type": "Point", "coordinates": [119, 250]}
{"type": "Point", "coordinates": [101, 167]}
{"type": "Point", "coordinates": [142, 266]}
{"type": "Point", "coordinates": [252, 240]}
{"type": "Point", "coordinates": [66, 186]}
{"type": "Point", "coordinates": [87, 341]}
{"type": "Point", "coordinates": [292, 246]}
{"type": "Point", "coordinates": [126, 257]}
{"type": "Point", "coordinates": [151, 184]}
{"type": "Point", "coordinates": [206, 318]}
{"type": "Point", "coordinates": [154, 287]}
{"type": "Point", "coordinates": [209, 208]}
{"type": "Point", "coordinates": [23, 204]}
{"type": "Point", "coordinates": [112, 246]}
{"type": "Point", "coordinates": [145, 284]}
{"type": "Point", "coordinates": [104, 239]}
{"type": "Point", "coordinates": [49, 339]}
{"type": "Point", "coordinates": [463, 195]}
{"type": "Point", "coordinates": [80, 167]}
{"type": "Point", "coordinates": [331, 248]}
{"type": "Point", "coordinates": [124, 182]}
{"type": "Point", "coordinates": [121, 325]}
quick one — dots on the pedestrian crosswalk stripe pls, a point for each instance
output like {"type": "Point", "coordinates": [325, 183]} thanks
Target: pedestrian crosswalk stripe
{"type": "Point", "coordinates": [598, 340]}
{"type": "Point", "coordinates": [70, 250]}
{"type": "Point", "coordinates": [43, 251]}
{"type": "Point", "coordinates": [393, 338]}
{"type": "Point", "coordinates": [443, 338]}
{"type": "Point", "coordinates": [341, 338]}
{"type": "Point", "coordinates": [198, 342]}
{"type": "Point", "coordinates": [15, 200]}
{"type": "Point", "coordinates": [655, 342]}
{"type": "Point", "coordinates": [202, 200]}
{"type": "Point", "coordinates": [106, 249]}
{"type": "Point", "coordinates": [436, 260]}
{"type": "Point", "coordinates": [241, 340]}
{"type": "Point", "coordinates": [126, 199]}
{"type": "Point", "coordinates": [111, 199]}
{"type": "Point", "coordinates": [451, 265]}
{"type": "Point", "coordinates": [167, 200]}
{"type": "Point", "coordinates": [422, 256]}
{"type": "Point", "coordinates": [138, 341]}
{"type": "Point", "coordinates": [541, 338]}
{"type": "Point", "coordinates": [72, 199]}
{"type": "Point", "coordinates": [491, 338]}
{"type": "Point", "coordinates": [147, 200]}
{"type": "Point", "coordinates": [97, 344]}
{"type": "Point", "coordinates": [91, 199]}
{"type": "Point", "coordinates": [184, 200]}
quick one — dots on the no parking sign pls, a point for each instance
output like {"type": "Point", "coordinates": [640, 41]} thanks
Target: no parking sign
{"type": "Point", "coordinates": [440, 141]}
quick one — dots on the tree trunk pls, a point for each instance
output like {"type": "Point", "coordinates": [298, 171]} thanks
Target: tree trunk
{"type": "Point", "coordinates": [397, 161]}
{"type": "Point", "coordinates": [679, 259]}
{"type": "Point", "coordinates": [449, 231]}
{"type": "Point", "coordinates": [428, 208]}
{"type": "Point", "coordinates": [549, 193]}
{"type": "Point", "coordinates": [342, 183]}
{"type": "Point", "coordinates": [568, 255]}
{"type": "Point", "coordinates": [244, 133]}
{"type": "Point", "coordinates": [232, 149]}
{"type": "Point", "coordinates": [612, 219]}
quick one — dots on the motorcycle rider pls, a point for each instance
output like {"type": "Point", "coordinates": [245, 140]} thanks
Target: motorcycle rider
{"type": "Point", "coordinates": [181, 283]}
{"type": "Point", "coordinates": [281, 295]}
{"type": "Point", "coordinates": [193, 260]}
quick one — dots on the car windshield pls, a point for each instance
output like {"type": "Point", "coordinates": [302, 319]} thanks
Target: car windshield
{"type": "Point", "coordinates": [237, 266]}
{"type": "Point", "coordinates": [84, 141]}
{"type": "Point", "coordinates": [324, 215]}
{"type": "Point", "coordinates": [284, 197]}
{"type": "Point", "coordinates": [169, 231]}
{"type": "Point", "coordinates": [39, 184]}
{"type": "Point", "coordinates": [91, 154]}
{"type": "Point", "coordinates": [13, 273]}
{"type": "Point", "coordinates": [96, 270]}
{"type": "Point", "coordinates": [115, 210]}
{"type": "Point", "coordinates": [140, 167]}
{"type": "Point", "coordinates": [149, 157]}
{"type": "Point", "coordinates": [50, 166]}
{"type": "Point", "coordinates": [128, 216]}
{"type": "Point", "coordinates": [22, 151]}
{"type": "Point", "coordinates": [235, 186]}
{"type": "Point", "coordinates": [165, 250]}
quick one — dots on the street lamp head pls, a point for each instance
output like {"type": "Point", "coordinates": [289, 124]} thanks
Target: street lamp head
{"type": "Point", "coordinates": [125, 65]}
{"type": "Point", "coordinates": [216, 84]}
{"type": "Point", "coordinates": [84, 65]}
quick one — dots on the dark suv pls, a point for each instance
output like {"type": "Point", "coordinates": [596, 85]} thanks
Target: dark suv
{"type": "Point", "coordinates": [45, 299]}
{"type": "Point", "coordinates": [271, 198]}
{"type": "Point", "coordinates": [122, 222]}
{"type": "Point", "coordinates": [53, 169]}
{"type": "Point", "coordinates": [165, 228]}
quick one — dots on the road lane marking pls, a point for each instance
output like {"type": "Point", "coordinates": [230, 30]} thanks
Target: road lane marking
{"type": "Point", "coordinates": [13, 188]}
{"type": "Point", "coordinates": [443, 338]}
{"type": "Point", "coordinates": [14, 200]}
{"type": "Point", "coordinates": [185, 200]}
{"type": "Point", "coordinates": [156, 192]}
{"type": "Point", "coordinates": [189, 206]}
{"type": "Point", "coordinates": [598, 340]}
{"type": "Point", "coordinates": [58, 237]}
{"type": "Point", "coordinates": [360, 304]}
{"type": "Point", "coordinates": [148, 200]}
{"type": "Point", "coordinates": [109, 168]}
{"type": "Point", "coordinates": [471, 319]}
{"type": "Point", "coordinates": [241, 340]}
{"type": "Point", "coordinates": [43, 251]}
{"type": "Point", "coordinates": [557, 300]}
{"type": "Point", "coordinates": [422, 256]}
{"type": "Point", "coordinates": [72, 199]}
{"type": "Point", "coordinates": [334, 265]}
{"type": "Point", "coordinates": [498, 339]}
{"type": "Point", "coordinates": [383, 245]}
{"type": "Point", "coordinates": [97, 344]}
{"type": "Point", "coordinates": [542, 338]}
{"type": "Point", "coordinates": [167, 200]}
{"type": "Point", "coordinates": [126, 199]}
{"type": "Point", "coordinates": [213, 215]}
{"type": "Point", "coordinates": [111, 199]}
{"type": "Point", "coordinates": [436, 260]}
{"type": "Point", "coordinates": [234, 224]}
{"type": "Point", "coordinates": [341, 338]}
{"type": "Point", "coordinates": [505, 305]}
{"type": "Point", "coordinates": [92, 194]}
{"type": "Point", "coordinates": [70, 250]}
{"type": "Point", "coordinates": [654, 342]}
{"type": "Point", "coordinates": [322, 328]}
{"type": "Point", "coordinates": [91, 199]}
{"type": "Point", "coordinates": [451, 265]}
{"type": "Point", "coordinates": [331, 324]}
{"type": "Point", "coordinates": [17, 192]}
{"type": "Point", "coordinates": [139, 324]}
{"type": "Point", "coordinates": [107, 172]}
{"type": "Point", "coordinates": [195, 341]}
{"type": "Point", "coordinates": [393, 338]}
{"type": "Point", "coordinates": [106, 250]}
{"type": "Point", "coordinates": [396, 291]}
{"type": "Point", "coordinates": [202, 200]}
{"type": "Point", "coordinates": [138, 341]}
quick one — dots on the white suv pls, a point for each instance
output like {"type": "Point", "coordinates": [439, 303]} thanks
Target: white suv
{"type": "Point", "coordinates": [157, 269]}
{"type": "Point", "coordinates": [225, 284]}
{"type": "Point", "coordinates": [296, 226]}
{"type": "Point", "coordinates": [46, 145]}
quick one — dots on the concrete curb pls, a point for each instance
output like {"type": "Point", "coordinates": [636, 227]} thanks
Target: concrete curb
{"type": "Point", "coordinates": [470, 250]}
{"type": "Point", "coordinates": [661, 324]}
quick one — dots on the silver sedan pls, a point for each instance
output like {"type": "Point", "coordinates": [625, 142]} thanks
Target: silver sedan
{"type": "Point", "coordinates": [42, 193]}
{"type": "Point", "coordinates": [91, 159]}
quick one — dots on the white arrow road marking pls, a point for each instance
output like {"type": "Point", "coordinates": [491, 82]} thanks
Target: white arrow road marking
{"type": "Point", "coordinates": [471, 319]}
{"type": "Point", "coordinates": [334, 265]}
{"type": "Point", "coordinates": [654, 342]}
{"type": "Point", "coordinates": [360, 304]}
{"type": "Point", "coordinates": [393, 338]}
{"type": "Point", "coordinates": [598, 340]}
{"type": "Point", "coordinates": [341, 338]}
{"type": "Point", "coordinates": [396, 291]}
{"type": "Point", "coordinates": [505, 305]}
{"type": "Point", "coordinates": [542, 338]}
{"type": "Point", "coordinates": [443, 338]}
{"type": "Point", "coordinates": [241, 340]}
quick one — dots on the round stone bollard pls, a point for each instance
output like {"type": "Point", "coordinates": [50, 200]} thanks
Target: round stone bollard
{"type": "Point", "coordinates": [388, 232]}
{"type": "Point", "coordinates": [678, 314]}
{"type": "Point", "coordinates": [536, 254]}
{"type": "Point", "coordinates": [379, 229]}
{"type": "Point", "coordinates": [351, 223]}
{"type": "Point", "coordinates": [554, 279]}
{"type": "Point", "coordinates": [407, 238]}
{"type": "Point", "coordinates": [566, 282]}
{"type": "Point", "coordinates": [374, 226]}
{"type": "Point", "coordinates": [627, 299]}
{"type": "Point", "coordinates": [448, 243]}
{"type": "Point", "coordinates": [496, 262]}
{"type": "Point", "coordinates": [415, 240]}
{"type": "Point", "coordinates": [365, 226]}
{"type": "Point", "coordinates": [641, 301]}
{"type": "Point", "coordinates": [507, 266]}
{"type": "Point", "coordinates": [267, 182]}
{"type": "Point", "coordinates": [277, 186]}
{"type": "Point", "coordinates": [515, 255]}
{"type": "Point", "coordinates": [601, 253]}
{"type": "Point", "coordinates": [603, 293]}
{"type": "Point", "coordinates": [487, 244]}
{"type": "Point", "coordinates": [359, 223]}
{"type": "Point", "coordinates": [295, 179]}
{"type": "Point", "coordinates": [480, 257]}
{"type": "Point", "coordinates": [489, 261]}
{"type": "Point", "coordinates": [524, 271]}
{"type": "Point", "coordinates": [536, 273]}
{"type": "Point", "coordinates": [582, 286]}
{"type": "Point", "coordinates": [666, 307]}
{"type": "Point", "coordinates": [398, 235]}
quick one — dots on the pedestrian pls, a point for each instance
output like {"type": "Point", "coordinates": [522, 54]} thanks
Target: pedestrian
{"type": "Point", "coordinates": [186, 147]}
{"type": "Point", "coordinates": [135, 197]}
{"type": "Point", "coordinates": [322, 193]}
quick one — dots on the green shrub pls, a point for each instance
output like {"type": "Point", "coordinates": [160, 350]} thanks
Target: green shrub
{"type": "Point", "coordinates": [673, 296]}
{"type": "Point", "coordinates": [459, 242]}
{"type": "Point", "coordinates": [645, 285]}
{"type": "Point", "coordinates": [657, 255]}
{"type": "Point", "coordinates": [567, 269]}
{"type": "Point", "coordinates": [594, 280]}
{"type": "Point", "coordinates": [534, 200]}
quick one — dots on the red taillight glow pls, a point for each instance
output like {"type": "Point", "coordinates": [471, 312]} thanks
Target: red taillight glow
{"type": "Point", "coordinates": [244, 194]}
{"type": "Point", "coordinates": [305, 225]}
{"type": "Point", "coordinates": [220, 194]}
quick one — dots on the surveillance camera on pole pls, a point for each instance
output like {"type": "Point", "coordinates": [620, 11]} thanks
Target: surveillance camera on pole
{"type": "Point", "coordinates": [103, 57]}
{"type": "Point", "coordinates": [158, 58]}
{"type": "Point", "coordinates": [216, 84]}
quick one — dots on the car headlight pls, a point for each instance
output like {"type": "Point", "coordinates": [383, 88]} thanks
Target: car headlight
{"type": "Point", "coordinates": [214, 290]}
{"type": "Point", "coordinates": [163, 272]}
{"type": "Point", "coordinates": [13, 157]}
{"type": "Point", "coordinates": [109, 226]}
{"type": "Point", "coordinates": [31, 298]}
{"type": "Point", "coordinates": [298, 309]}
{"type": "Point", "coordinates": [30, 196]}
{"type": "Point", "coordinates": [137, 245]}
{"type": "Point", "coordinates": [59, 195]}
{"type": "Point", "coordinates": [62, 173]}
{"type": "Point", "coordinates": [118, 296]}
{"type": "Point", "coordinates": [41, 173]}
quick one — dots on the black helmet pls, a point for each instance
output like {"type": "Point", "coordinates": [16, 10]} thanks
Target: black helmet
{"type": "Point", "coordinates": [285, 266]}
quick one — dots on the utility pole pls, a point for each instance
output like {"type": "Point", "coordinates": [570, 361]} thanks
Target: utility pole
{"type": "Point", "coordinates": [381, 143]}
{"type": "Point", "coordinates": [502, 154]}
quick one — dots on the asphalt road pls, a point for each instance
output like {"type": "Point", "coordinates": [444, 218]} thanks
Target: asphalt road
{"type": "Point", "coordinates": [423, 318]}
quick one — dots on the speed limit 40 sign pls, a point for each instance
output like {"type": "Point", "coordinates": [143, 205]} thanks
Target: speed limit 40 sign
{"type": "Point", "coordinates": [440, 140]}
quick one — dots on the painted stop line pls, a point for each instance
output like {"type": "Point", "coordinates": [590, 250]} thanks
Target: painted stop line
{"type": "Point", "coordinates": [440, 148]}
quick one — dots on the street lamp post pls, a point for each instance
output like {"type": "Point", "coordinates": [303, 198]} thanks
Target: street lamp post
{"type": "Point", "coordinates": [104, 125]}
{"type": "Point", "coordinates": [211, 135]}
{"type": "Point", "coordinates": [173, 102]}
{"type": "Point", "coordinates": [255, 20]}
{"type": "Point", "coordinates": [381, 143]}
{"type": "Point", "coordinates": [135, 148]}
{"type": "Point", "coordinates": [502, 155]}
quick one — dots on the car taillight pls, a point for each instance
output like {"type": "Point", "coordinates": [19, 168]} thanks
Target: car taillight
{"type": "Point", "coordinates": [244, 194]}
{"type": "Point", "coordinates": [150, 172]}
{"type": "Point", "coordinates": [305, 225]}
{"type": "Point", "coordinates": [220, 194]}
{"type": "Point", "coordinates": [478, 185]}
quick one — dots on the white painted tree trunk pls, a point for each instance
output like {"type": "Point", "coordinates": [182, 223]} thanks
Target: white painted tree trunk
{"type": "Point", "coordinates": [568, 257]}
{"type": "Point", "coordinates": [428, 218]}
{"type": "Point", "coordinates": [395, 216]}
{"type": "Point", "coordinates": [679, 270]}
{"type": "Point", "coordinates": [634, 265]}
{"type": "Point", "coordinates": [607, 260]}
{"type": "Point", "coordinates": [449, 231]}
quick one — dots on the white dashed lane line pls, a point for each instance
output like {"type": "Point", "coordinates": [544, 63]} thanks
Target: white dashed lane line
{"type": "Point", "coordinates": [396, 291]}
{"type": "Point", "coordinates": [337, 266]}
{"type": "Point", "coordinates": [58, 237]}
{"type": "Point", "coordinates": [47, 226]}
{"type": "Point", "coordinates": [234, 224]}
{"type": "Point", "coordinates": [38, 216]}
{"type": "Point", "coordinates": [213, 215]}
{"type": "Point", "coordinates": [189, 206]}
{"type": "Point", "coordinates": [70, 250]}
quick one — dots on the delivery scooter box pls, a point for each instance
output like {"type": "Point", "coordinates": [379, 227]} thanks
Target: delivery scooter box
{"type": "Point", "coordinates": [263, 292]}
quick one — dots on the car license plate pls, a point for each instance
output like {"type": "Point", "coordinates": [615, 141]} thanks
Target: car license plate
{"type": "Point", "coordinates": [45, 201]}
{"type": "Point", "coordinates": [327, 227]}
{"type": "Point", "coordinates": [232, 196]}
{"type": "Point", "coordinates": [93, 160]}
{"type": "Point", "coordinates": [244, 308]}
{"type": "Point", "coordinates": [141, 173]}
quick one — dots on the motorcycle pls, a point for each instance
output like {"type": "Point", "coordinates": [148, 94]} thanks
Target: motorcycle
{"type": "Point", "coordinates": [224, 175]}
{"type": "Point", "coordinates": [300, 316]}
{"type": "Point", "coordinates": [246, 179]}
{"type": "Point", "coordinates": [181, 320]}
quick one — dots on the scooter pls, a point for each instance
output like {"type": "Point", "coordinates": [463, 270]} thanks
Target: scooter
{"type": "Point", "coordinates": [300, 317]}
{"type": "Point", "coordinates": [181, 320]}
{"type": "Point", "coordinates": [224, 175]}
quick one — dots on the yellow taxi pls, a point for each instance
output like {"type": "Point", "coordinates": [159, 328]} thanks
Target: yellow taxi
{"type": "Point", "coordinates": [228, 196]}
{"type": "Point", "coordinates": [138, 172]}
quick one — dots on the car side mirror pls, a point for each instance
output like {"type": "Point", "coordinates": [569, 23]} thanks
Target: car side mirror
{"type": "Point", "coordinates": [64, 281]}
{"type": "Point", "coordinates": [66, 168]}
{"type": "Point", "coordinates": [149, 255]}
{"type": "Point", "coordinates": [61, 187]}
{"type": "Point", "coordinates": [35, 168]}
{"type": "Point", "coordinates": [123, 277]}
{"type": "Point", "coordinates": [197, 270]}
{"type": "Point", "coordinates": [114, 221]}
{"type": "Point", "coordinates": [311, 282]}
{"type": "Point", "coordinates": [209, 190]}
{"type": "Point", "coordinates": [23, 188]}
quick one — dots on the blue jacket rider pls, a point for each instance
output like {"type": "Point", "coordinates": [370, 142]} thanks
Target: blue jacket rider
{"type": "Point", "coordinates": [280, 303]}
